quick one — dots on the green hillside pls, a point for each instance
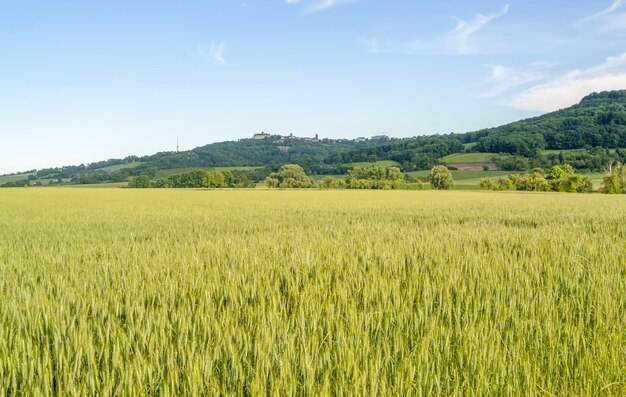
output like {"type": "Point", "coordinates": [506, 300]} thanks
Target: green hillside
{"type": "Point", "coordinates": [243, 155]}
{"type": "Point", "coordinates": [599, 120]}
{"type": "Point", "coordinates": [588, 136]}
{"type": "Point", "coordinates": [468, 158]}
{"type": "Point", "coordinates": [367, 164]}
{"type": "Point", "coordinates": [13, 178]}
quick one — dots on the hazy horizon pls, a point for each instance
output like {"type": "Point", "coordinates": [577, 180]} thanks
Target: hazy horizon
{"type": "Point", "coordinates": [85, 82]}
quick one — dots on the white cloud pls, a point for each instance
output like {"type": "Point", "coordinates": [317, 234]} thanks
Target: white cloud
{"type": "Point", "coordinates": [214, 53]}
{"type": "Point", "coordinates": [319, 5]}
{"type": "Point", "coordinates": [607, 11]}
{"type": "Point", "coordinates": [502, 79]}
{"type": "Point", "coordinates": [570, 88]}
{"type": "Point", "coordinates": [608, 18]}
{"type": "Point", "coordinates": [464, 35]}
{"type": "Point", "coordinates": [460, 41]}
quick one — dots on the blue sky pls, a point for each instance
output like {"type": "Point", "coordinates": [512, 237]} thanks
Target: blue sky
{"type": "Point", "coordinates": [83, 81]}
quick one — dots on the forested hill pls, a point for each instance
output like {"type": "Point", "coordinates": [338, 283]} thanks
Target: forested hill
{"type": "Point", "coordinates": [413, 154]}
{"type": "Point", "coordinates": [272, 151]}
{"type": "Point", "coordinates": [599, 120]}
{"type": "Point", "coordinates": [595, 126]}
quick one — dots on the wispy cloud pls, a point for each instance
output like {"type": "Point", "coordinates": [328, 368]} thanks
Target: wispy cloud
{"type": "Point", "coordinates": [213, 53]}
{"type": "Point", "coordinates": [569, 88]}
{"type": "Point", "coordinates": [607, 11]}
{"type": "Point", "coordinates": [464, 35]}
{"type": "Point", "coordinates": [502, 79]}
{"type": "Point", "coordinates": [461, 40]}
{"type": "Point", "coordinates": [318, 5]}
{"type": "Point", "coordinates": [609, 18]}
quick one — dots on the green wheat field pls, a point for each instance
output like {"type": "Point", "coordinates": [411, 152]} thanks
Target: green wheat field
{"type": "Point", "coordinates": [354, 293]}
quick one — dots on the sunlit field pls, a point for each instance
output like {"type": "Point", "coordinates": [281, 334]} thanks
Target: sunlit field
{"type": "Point", "coordinates": [192, 292]}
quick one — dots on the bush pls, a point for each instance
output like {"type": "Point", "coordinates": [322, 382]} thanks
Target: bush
{"type": "Point", "coordinates": [139, 182]}
{"type": "Point", "coordinates": [614, 182]}
{"type": "Point", "coordinates": [377, 177]}
{"type": "Point", "coordinates": [290, 176]}
{"type": "Point", "coordinates": [441, 178]}
{"type": "Point", "coordinates": [561, 178]}
{"type": "Point", "coordinates": [214, 180]}
{"type": "Point", "coordinates": [500, 184]}
{"type": "Point", "coordinates": [330, 182]}
{"type": "Point", "coordinates": [611, 184]}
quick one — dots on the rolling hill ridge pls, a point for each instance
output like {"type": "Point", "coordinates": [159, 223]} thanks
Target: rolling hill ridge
{"type": "Point", "coordinates": [587, 135]}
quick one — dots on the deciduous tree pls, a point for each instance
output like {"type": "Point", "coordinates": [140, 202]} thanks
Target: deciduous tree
{"type": "Point", "coordinates": [441, 178]}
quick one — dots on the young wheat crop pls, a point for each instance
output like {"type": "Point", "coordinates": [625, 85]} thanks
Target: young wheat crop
{"type": "Point", "coordinates": [120, 292]}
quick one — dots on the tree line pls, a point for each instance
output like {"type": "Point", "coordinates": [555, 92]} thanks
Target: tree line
{"type": "Point", "coordinates": [212, 179]}
{"type": "Point", "coordinates": [584, 160]}
{"type": "Point", "coordinates": [412, 154]}
{"type": "Point", "coordinates": [293, 176]}
{"type": "Point", "coordinates": [361, 178]}
{"type": "Point", "coordinates": [559, 179]}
